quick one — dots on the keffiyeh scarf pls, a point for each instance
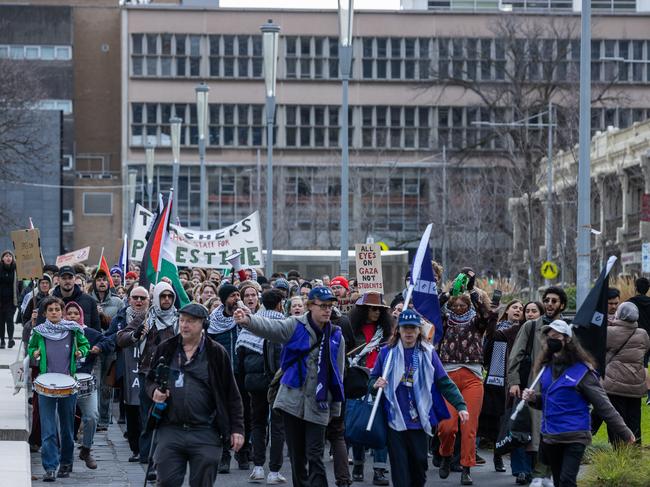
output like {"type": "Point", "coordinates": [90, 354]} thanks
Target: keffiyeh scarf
{"type": "Point", "coordinates": [220, 323]}
{"type": "Point", "coordinates": [56, 331]}
{"type": "Point", "coordinates": [252, 342]}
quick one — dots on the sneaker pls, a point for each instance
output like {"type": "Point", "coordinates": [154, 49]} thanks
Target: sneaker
{"type": "Point", "coordinates": [2, 344]}
{"type": "Point", "coordinates": [275, 478]}
{"type": "Point", "coordinates": [152, 476]}
{"type": "Point", "coordinates": [357, 473]}
{"type": "Point", "coordinates": [479, 459]}
{"type": "Point", "coordinates": [224, 466]}
{"type": "Point", "coordinates": [465, 477]}
{"type": "Point", "coordinates": [50, 476]}
{"type": "Point", "coordinates": [445, 464]}
{"type": "Point", "coordinates": [64, 471]}
{"type": "Point", "coordinates": [135, 458]}
{"type": "Point", "coordinates": [379, 477]}
{"type": "Point", "coordinates": [11, 343]}
{"type": "Point", "coordinates": [257, 475]}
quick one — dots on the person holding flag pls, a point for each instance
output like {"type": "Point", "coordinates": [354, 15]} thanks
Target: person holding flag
{"type": "Point", "coordinates": [415, 386]}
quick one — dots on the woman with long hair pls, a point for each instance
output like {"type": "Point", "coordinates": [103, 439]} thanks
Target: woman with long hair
{"type": "Point", "coordinates": [496, 350]}
{"type": "Point", "coordinates": [568, 385]}
{"type": "Point", "coordinates": [415, 389]}
{"type": "Point", "coordinates": [370, 327]}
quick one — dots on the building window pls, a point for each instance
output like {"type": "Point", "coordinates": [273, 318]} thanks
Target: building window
{"type": "Point", "coordinates": [67, 217]}
{"type": "Point", "coordinates": [311, 57]}
{"type": "Point", "coordinates": [236, 56]}
{"type": "Point", "coordinates": [395, 58]}
{"type": "Point", "coordinates": [165, 55]}
{"type": "Point", "coordinates": [67, 162]}
{"type": "Point", "coordinates": [395, 127]}
{"type": "Point", "coordinates": [98, 204]}
{"type": "Point", "coordinates": [36, 52]}
{"type": "Point", "coordinates": [312, 126]}
{"type": "Point", "coordinates": [60, 105]}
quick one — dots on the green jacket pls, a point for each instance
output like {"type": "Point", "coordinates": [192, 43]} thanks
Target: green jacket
{"type": "Point", "coordinates": [80, 342]}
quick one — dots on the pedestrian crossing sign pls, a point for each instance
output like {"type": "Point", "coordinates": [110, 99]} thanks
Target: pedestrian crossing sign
{"type": "Point", "coordinates": [549, 270]}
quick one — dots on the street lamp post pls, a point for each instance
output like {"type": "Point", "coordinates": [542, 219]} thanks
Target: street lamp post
{"type": "Point", "coordinates": [133, 181]}
{"type": "Point", "coordinates": [150, 150]}
{"type": "Point", "coordinates": [175, 123]}
{"type": "Point", "coordinates": [346, 13]}
{"type": "Point", "coordinates": [583, 248]}
{"type": "Point", "coordinates": [270, 35]}
{"type": "Point", "coordinates": [202, 119]}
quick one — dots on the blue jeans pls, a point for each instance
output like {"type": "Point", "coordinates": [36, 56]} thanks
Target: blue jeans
{"type": "Point", "coordinates": [379, 456]}
{"type": "Point", "coordinates": [51, 457]}
{"type": "Point", "coordinates": [89, 418]}
{"type": "Point", "coordinates": [520, 461]}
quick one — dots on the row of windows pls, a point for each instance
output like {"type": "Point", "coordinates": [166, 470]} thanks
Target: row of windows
{"type": "Point", "coordinates": [530, 5]}
{"type": "Point", "coordinates": [40, 53]}
{"type": "Point", "coordinates": [389, 58]}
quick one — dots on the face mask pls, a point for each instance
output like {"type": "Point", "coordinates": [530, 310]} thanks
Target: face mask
{"type": "Point", "coordinates": [554, 345]}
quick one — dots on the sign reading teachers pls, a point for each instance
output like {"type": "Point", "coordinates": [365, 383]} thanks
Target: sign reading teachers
{"type": "Point", "coordinates": [368, 257]}
{"type": "Point", "coordinates": [195, 248]}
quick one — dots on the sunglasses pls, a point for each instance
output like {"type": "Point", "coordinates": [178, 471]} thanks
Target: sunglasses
{"type": "Point", "coordinates": [139, 298]}
{"type": "Point", "coordinates": [551, 301]}
{"type": "Point", "coordinates": [166, 296]}
{"type": "Point", "coordinates": [325, 306]}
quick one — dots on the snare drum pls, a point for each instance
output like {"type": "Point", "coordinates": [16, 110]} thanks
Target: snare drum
{"type": "Point", "coordinates": [55, 385]}
{"type": "Point", "coordinates": [86, 384]}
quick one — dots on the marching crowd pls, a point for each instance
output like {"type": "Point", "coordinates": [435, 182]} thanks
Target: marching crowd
{"type": "Point", "coordinates": [255, 361]}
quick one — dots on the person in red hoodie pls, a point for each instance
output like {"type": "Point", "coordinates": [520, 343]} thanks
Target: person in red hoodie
{"type": "Point", "coordinates": [370, 328]}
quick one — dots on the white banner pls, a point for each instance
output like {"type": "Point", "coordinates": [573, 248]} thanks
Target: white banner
{"type": "Point", "coordinates": [368, 260]}
{"type": "Point", "coordinates": [210, 249]}
{"type": "Point", "coordinates": [142, 221]}
{"type": "Point", "coordinates": [74, 257]}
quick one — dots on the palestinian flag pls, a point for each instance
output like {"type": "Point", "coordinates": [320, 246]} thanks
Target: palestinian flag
{"type": "Point", "coordinates": [103, 266]}
{"type": "Point", "coordinates": [158, 259]}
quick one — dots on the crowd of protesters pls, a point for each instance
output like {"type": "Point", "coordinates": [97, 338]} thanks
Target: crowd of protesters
{"type": "Point", "coordinates": [273, 360]}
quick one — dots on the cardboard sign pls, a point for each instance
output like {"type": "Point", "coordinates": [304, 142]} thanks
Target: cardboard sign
{"type": "Point", "coordinates": [27, 247]}
{"type": "Point", "coordinates": [210, 249]}
{"type": "Point", "coordinates": [74, 257]}
{"type": "Point", "coordinates": [142, 220]}
{"type": "Point", "coordinates": [369, 277]}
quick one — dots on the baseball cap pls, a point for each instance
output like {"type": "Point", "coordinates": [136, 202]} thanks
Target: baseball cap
{"type": "Point", "coordinates": [560, 326]}
{"type": "Point", "coordinates": [321, 293]}
{"type": "Point", "coordinates": [281, 284]}
{"type": "Point", "coordinates": [409, 317]}
{"type": "Point", "coordinates": [196, 310]}
{"type": "Point", "coordinates": [340, 281]}
{"type": "Point", "coordinates": [66, 269]}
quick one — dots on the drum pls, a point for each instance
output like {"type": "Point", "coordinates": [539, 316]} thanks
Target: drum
{"type": "Point", "coordinates": [86, 384]}
{"type": "Point", "coordinates": [55, 385]}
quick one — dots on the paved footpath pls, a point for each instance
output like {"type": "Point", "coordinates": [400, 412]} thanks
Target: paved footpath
{"type": "Point", "coordinates": [111, 452]}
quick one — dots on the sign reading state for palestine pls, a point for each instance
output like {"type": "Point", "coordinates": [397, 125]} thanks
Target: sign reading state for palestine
{"type": "Point", "coordinates": [194, 248]}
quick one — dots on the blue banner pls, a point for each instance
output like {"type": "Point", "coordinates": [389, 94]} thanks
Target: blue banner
{"type": "Point", "coordinates": [425, 293]}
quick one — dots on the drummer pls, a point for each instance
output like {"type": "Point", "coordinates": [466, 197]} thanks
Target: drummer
{"type": "Point", "coordinates": [99, 344]}
{"type": "Point", "coordinates": [58, 344]}
{"type": "Point", "coordinates": [370, 327]}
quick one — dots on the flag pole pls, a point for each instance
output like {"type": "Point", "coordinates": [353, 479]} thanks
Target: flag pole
{"type": "Point", "coordinates": [415, 277]}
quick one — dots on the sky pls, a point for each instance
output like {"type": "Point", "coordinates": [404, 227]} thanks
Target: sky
{"type": "Point", "coordinates": [333, 4]}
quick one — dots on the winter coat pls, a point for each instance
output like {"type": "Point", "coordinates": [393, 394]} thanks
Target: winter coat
{"type": "Point", "coordinates": [624, 373]}
{"type": "Point", "coordinates": [643, 303]}
{"type": "Point", "coordinates": [301, 401]}
{"type": "Point", "coordinates": [110, 305]}
{"type": "Point", "coordinates": [9, 284]}
{"type": "Point", "coordinates": [37, 342]}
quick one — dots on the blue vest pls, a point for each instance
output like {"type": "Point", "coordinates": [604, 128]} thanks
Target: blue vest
{"type": "Point", "coordinates": [294, 375]}
{"type": "Point", "coordinates": [565, 409]}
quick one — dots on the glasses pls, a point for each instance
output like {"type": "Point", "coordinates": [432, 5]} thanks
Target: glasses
{"type": "Point", "coordinates": [551, 301]}
{"type": "Point", "coordinates": [325, 306]}
{"type": "Point", "coordinates": [139, 298]}
{"type": "Point", "coordinates": [166, 296]}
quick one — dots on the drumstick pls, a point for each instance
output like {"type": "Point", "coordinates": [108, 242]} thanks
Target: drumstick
{"type": "Point", "coordinates": [363, 345]}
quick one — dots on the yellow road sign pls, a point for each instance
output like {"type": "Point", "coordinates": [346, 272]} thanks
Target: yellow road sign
{"type": "Point", "coordinates": [549, 270]}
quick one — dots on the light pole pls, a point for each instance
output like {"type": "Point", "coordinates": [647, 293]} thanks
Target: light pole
{"type": "Point", "coordinates": [583, 248]}
{"type": "Point", "coordinates": [445, 216]}
{"type": "Point", "coordinates": [346, 13]}
{"type": "Point", "coordinates": [202, 119]}
{"type": "Point", "coordinates": [175, 123]}
{"type": "Point", "coordinates": [133, 181]}
{"type": "Point", "coordinates": [270, 35]}
{"type": "Point", "coordinates": [149, 153]}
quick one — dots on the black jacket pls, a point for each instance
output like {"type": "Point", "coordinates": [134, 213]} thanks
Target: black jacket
{"type": "Point", "coordinates": [255, 374]}
{"type": "Point", "coordinates": [95, 338]}
{"type": "Point", "coordinates": [643, 303]}
{"type": "Point", "coordinates": [230, 411]}
{"type": "Point", "coordinates": [87, 303]}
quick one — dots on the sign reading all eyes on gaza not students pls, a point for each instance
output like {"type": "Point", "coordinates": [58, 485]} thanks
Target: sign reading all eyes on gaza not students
{"type": "Point", "coordinates": [368, 260]}
{"type": "Point", "coordinates": [207, 249]}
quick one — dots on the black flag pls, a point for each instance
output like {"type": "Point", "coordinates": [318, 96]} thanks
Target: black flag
{"type": "Point", "coordinates": [590, 323]}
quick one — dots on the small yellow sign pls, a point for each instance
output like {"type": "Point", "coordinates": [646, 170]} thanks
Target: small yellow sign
{"type": "Point", "coordinates": [549, 270]}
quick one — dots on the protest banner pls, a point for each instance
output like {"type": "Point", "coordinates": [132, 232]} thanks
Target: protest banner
{"type": "Point", "coordinates": [73, 257]}
{"type": "Point", "coordinates": [27, 249]}
{"type": "Point", "coordinates": [369, 276]}
{"type": "Point", "coordinates": [142, 220]}
{"type": "Point", "coordinates": [210, 249]}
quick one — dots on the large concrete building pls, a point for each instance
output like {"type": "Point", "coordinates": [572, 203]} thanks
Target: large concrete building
{"type": "Point", "coordinates": [403, 117]}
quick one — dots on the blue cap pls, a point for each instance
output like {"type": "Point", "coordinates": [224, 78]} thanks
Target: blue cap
{"type": "Point", "coordinates": [281, 284]}
{"type": "Point", "coordinates": [322, 293]}
{"type": "Point", "coordinates": [409, 317]}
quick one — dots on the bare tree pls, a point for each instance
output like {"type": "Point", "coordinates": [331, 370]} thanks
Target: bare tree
{"type": "Point", "coordinates": [532, 66]}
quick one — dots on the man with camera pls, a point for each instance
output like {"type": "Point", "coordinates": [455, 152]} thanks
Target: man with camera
{"type": "Point", "coordinates": [203, 409]}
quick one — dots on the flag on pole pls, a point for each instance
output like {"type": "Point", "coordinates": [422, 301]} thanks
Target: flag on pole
{"type": "Point", "coordinates": [158, 260]}
{"type": "Point", "coordinates": [103, 266]}
{"type": "Point", "coordinates": [124, 256]}
{"type": "Point", "coordinates": [425, 287]}
{"type": "Point", "coordinates": [590, 323]}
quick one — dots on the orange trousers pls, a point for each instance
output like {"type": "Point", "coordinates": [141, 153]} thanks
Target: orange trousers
{"type": "Point", "coordinates": [471, 388]}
